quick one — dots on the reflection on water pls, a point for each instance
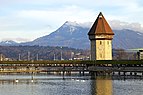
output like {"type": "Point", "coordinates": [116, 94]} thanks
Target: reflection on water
{"type": "Point", "coordinates": [44, 84]}
{"type": "Point", "coordinates": [101, 86]}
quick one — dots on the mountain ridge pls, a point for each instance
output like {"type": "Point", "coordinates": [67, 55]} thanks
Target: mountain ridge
{"type": "Point", "coordinates": [74, 35]}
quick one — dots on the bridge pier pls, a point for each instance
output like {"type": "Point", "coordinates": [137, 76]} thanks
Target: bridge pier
{"type": "Point", "coordinates": [63, 75]}
{"type": "Point", "coordinates": [135, 73]}
{"type": "Point", "coordinates": [64, 72]}
{"type": "Point", "coordinates": [113, 73]}
{"type": "Point", "coordinates": [79, 73]}
{"type": "Point", "coordinates": [119, 73]}
{"type": "Point", "coordinates": [93, 75]}
{"type": "Point", "coordinates": [32, 75]}
{"type": "Point", "coordinates": [83, 73]}
{"type": "Point", "coordinates": [124, 73]}
{"type": "Point", "coordinates": [131, 73]}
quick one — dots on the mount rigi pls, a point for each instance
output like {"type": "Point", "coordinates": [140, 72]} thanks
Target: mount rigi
{"type": "Point", "coordinates": [72, 34]}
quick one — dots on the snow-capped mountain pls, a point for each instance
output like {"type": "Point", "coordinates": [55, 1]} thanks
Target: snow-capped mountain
{"type": "Point", "coordinates": [73, 34]}
{"type": "Point", "coordinates": [8, 43]}
{"type": "Point", "coordinates": [70, 34]}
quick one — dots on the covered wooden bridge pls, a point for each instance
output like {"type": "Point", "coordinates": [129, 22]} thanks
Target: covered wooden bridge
{"type": "Point", "coordinates": [100, 66]}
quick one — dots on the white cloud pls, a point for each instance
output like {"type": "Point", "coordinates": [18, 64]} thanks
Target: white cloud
{"type": "Point", "coordinates": [22, 36]}
{"type": "Point", "coordinates": [35, 23]}
{"type": "Point", "coordinates": [34, 18]}
{"type": "Point", "coordinates": [72, 13]}
{"type": "Point", "coordinates": [116, 24]}
{"type": "Point", "coordinates": [18, 40]}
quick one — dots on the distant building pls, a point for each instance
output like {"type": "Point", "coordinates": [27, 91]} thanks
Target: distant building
{"type": "Point", "coordinates": [101, 36]}
{"type": "Point", "coordinates": [2, 57]}
{"type": "Point", "coordinates": [140, 54]}
{"type": "Point", "coordinates": [79, 56]}
{"type": "Point", "coordinates": [8, 59]}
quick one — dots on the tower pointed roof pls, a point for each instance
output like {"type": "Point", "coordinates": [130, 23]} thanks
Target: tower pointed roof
{"type": "Point", "coordinates": [100, 26]}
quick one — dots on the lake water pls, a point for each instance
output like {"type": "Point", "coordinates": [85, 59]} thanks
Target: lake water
{"type": "Point", "coordinates": [43, 84]}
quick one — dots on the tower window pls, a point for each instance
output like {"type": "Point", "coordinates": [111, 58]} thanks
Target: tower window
{"type": "Point", "coordinates": [100, 42]}
{"type": "Point", "coordinates": [100, 55]}
{"type": "Point", "coordinates": [108, 42]}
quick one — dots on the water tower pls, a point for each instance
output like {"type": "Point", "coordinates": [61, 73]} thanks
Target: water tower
{"type": "Point", "coordinates": [101, 36]}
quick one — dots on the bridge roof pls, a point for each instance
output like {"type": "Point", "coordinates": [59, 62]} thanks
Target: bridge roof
{"type": "Point", "coordinates": [100, 26]}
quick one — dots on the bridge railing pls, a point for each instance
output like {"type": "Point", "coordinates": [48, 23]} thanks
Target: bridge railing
{"type": "Point", "coordinates": [72, 62]}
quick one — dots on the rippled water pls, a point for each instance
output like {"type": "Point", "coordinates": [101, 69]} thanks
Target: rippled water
{"type": "Point", "coordinates": [72, 85]}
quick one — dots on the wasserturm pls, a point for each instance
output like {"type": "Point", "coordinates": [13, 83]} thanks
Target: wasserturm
{"type": "Point", "coordinates": [101, 36]}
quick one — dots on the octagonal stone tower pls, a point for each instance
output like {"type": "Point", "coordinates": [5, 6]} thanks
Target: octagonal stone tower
{"type": "Point", "coordinates": [101, 36]}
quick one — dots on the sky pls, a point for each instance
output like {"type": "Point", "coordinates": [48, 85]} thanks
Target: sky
{"type": "Point", "coordinates": [26, 20]}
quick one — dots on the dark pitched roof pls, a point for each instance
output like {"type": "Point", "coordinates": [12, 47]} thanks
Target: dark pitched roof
{"type": "Point", "coordinates": [100, 26]}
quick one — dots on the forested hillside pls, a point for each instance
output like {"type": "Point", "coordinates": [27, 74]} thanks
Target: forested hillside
{"type": "Point", "coordinates": [43, 52]}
